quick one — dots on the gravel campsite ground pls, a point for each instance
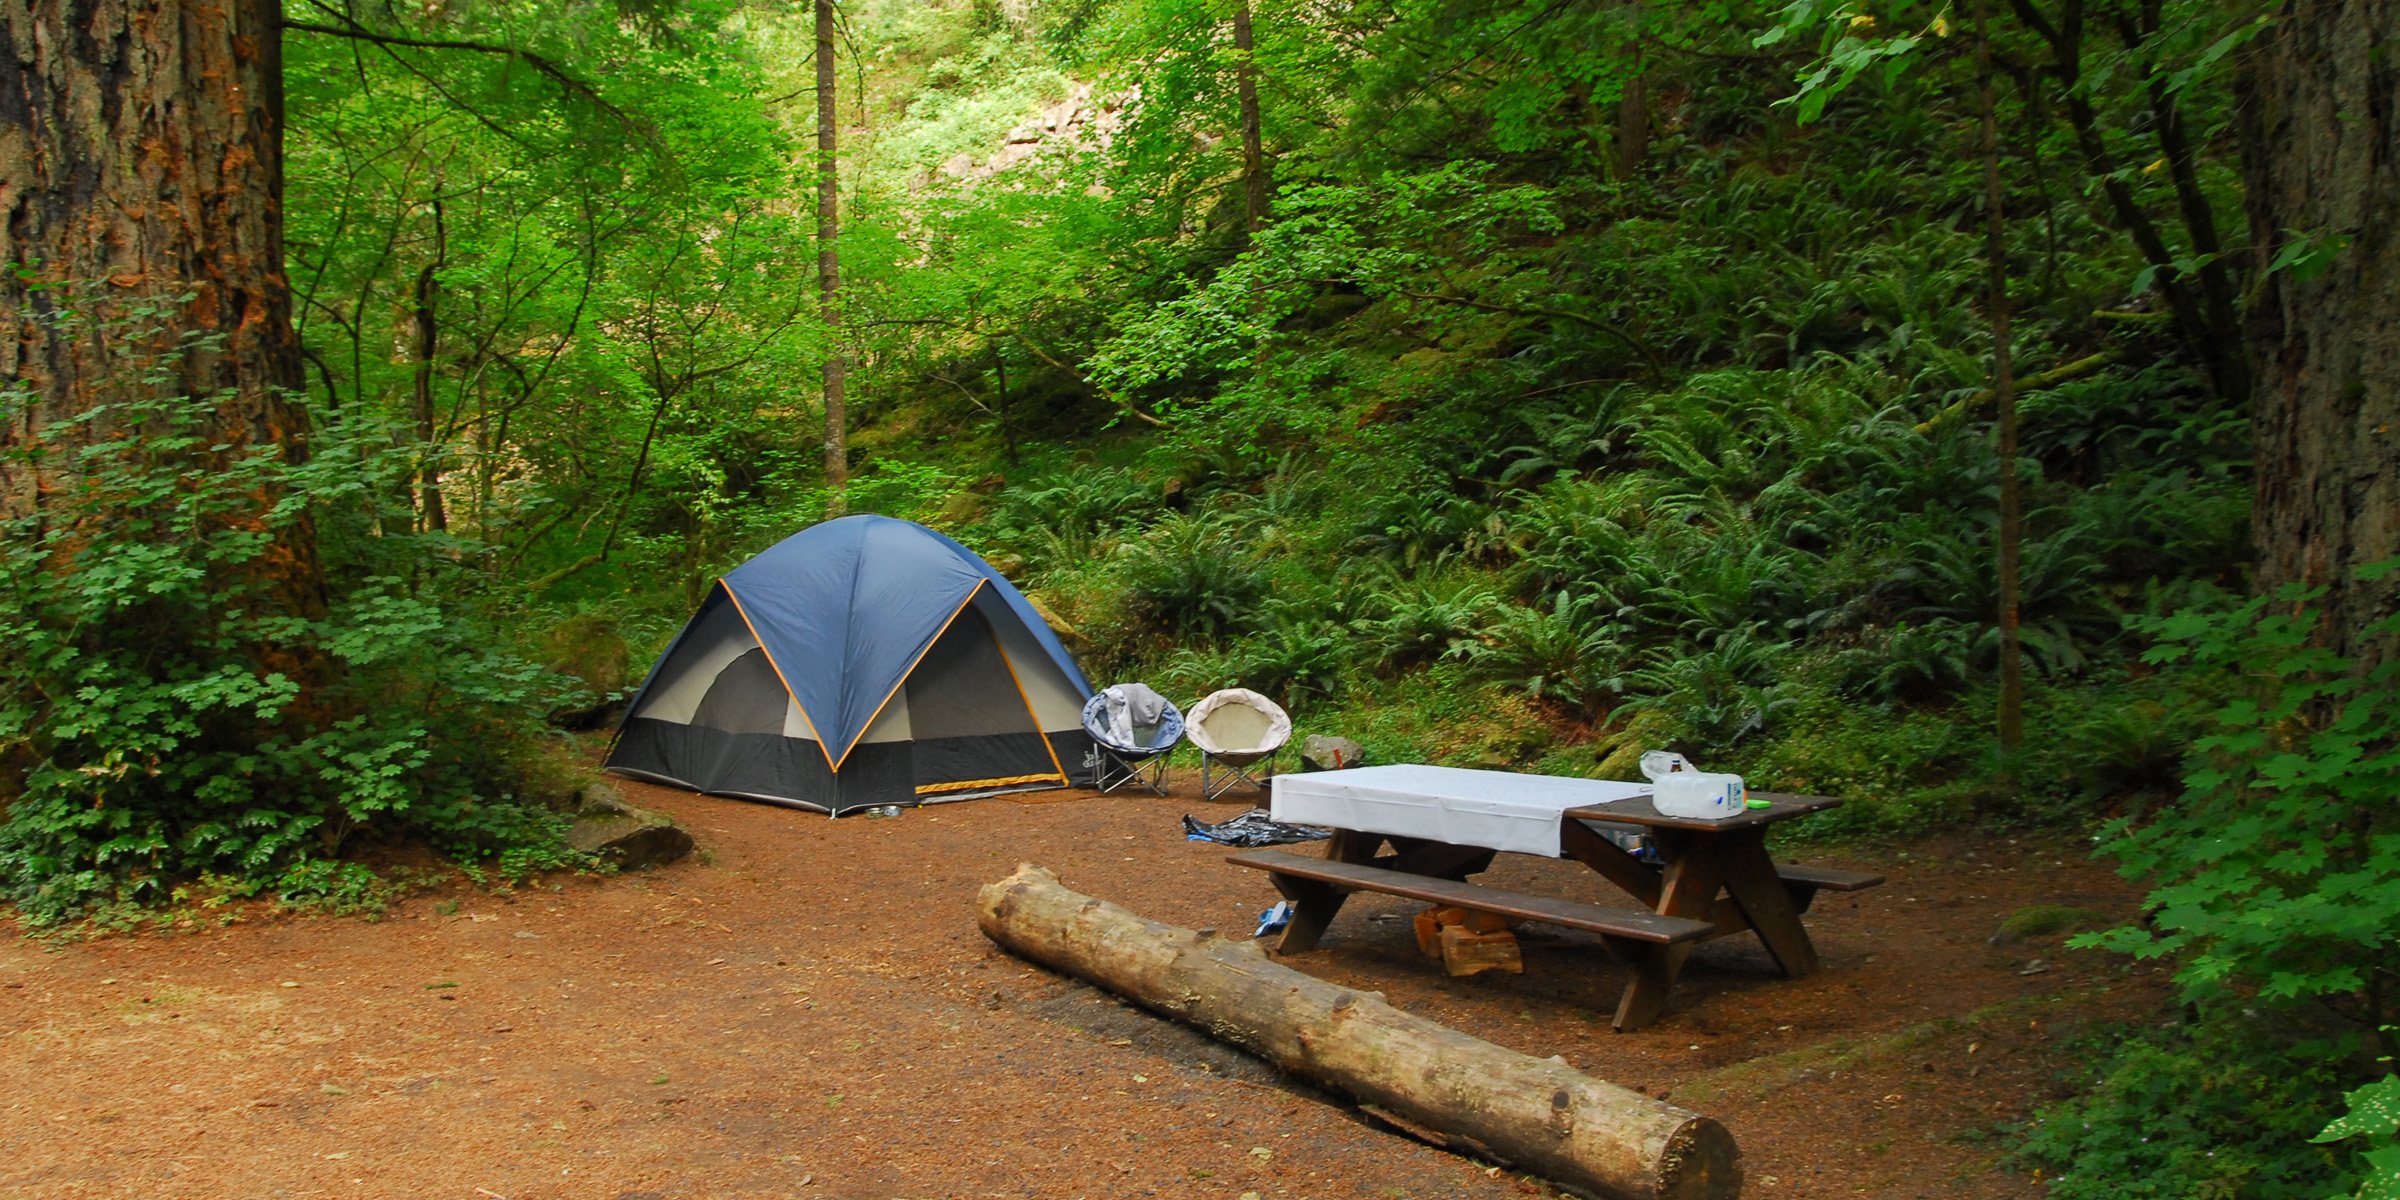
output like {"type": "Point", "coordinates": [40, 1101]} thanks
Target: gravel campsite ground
{"type": "Point", "coordinates": [806, 1008]}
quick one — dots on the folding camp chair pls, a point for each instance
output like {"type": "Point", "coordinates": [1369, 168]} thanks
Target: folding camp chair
{"type": "Point", "coordinates": [1236, 729]}
{"type": "Point", "coordinates": [1141, 759]}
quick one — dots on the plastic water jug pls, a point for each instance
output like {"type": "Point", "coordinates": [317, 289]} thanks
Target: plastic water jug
{"type": "Point", "coordinates": [1679, 790]}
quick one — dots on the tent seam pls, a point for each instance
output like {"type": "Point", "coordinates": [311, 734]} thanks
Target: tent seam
{"type": "Point", "coordinates": [858, 558]}
{"type": "Point", "coordinates": [1022, 698]}
{"type": "Point", "coordinates": [1060, 656]}
{"type": "Point", "coordinates": [788, 693]}
{"type": "Point", "coordinates": [903, 681]}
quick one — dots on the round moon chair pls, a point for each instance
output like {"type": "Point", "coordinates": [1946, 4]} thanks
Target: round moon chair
{"type": "Point", "coordinates": [1140, 761]}
{"type": "Point", "coordinates": [1236, 729]}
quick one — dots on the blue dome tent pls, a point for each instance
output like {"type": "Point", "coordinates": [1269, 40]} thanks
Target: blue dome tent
{"type": "Point", "coordinates": [864, 661]}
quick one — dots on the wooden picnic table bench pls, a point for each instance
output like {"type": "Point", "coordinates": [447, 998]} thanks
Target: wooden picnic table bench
{"type": "Point", "coordinates": [1633, 924]}
{"type": "Point", "coordinates": [1713, 878]}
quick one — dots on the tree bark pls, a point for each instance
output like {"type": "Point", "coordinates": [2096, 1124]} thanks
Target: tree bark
{"type": "Point", "coordinates": [829, 267]}
{"type": "Point", "coordinates": [1594, 1137]}
{"type": "Point", "coordinates": [429, 467]}
{"type": "Point", "coordinates": [141, 165]}
{"type": "Point", "coordinates": [1256, 187]}
{"type": "Point", "coordinates": [1633, 128]}
{"type": "Point", "coordinates": [2322, 141]}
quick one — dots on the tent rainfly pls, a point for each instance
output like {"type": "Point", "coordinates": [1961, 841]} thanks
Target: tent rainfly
{"type": "Point", "coordinates": [860, 662]}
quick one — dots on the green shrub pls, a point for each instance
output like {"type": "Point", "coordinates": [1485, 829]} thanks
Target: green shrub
{"type": "Point", "coordinates": [2374, 1118]}
{"type": "Point", "coordinates": [2279, 867]}
{"type": "Point", "coordinates": [2221, 1110]}
{"type": "Point", "coordinates": [1438, 715]}
{"type": "Point", "coordinates": [147, 679]}
{"type": "Point", "coordinates": [1909, 663]}
{"type": "Point", "coordinates": [1290, 663]}
{"type": "Point", "coordinates": [2275, 885]}
{"type": "Point", "coordinates": [1426, 525]}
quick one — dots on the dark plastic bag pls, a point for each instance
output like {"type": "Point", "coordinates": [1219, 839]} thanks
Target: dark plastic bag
{"type": "Point", "coordinates": [1253, 828]}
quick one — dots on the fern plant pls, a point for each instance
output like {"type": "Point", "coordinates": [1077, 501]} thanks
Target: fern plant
{"type": "Point", "coordinates": [1569, 651]}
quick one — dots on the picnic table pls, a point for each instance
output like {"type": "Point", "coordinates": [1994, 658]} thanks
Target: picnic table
{"type": "Point", "coordinates": [1713, 878]}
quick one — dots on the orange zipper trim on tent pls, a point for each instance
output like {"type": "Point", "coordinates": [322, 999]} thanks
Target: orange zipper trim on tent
{"type": "Point", "coordinates": [1027, 701]}
{"type": "Point", "coordinates": [912, 669]}
{"type": "Point", "coordinates": [788, 693]}
{"type": "Point", "coordinates": [934, 789]}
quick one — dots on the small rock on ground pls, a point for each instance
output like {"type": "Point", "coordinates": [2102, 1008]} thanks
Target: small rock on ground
{"type": "Point", "coordinates": [631, 837]}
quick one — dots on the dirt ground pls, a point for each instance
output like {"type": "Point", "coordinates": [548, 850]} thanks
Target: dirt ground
{"type": "Point", "coordinates": [806, 1009]}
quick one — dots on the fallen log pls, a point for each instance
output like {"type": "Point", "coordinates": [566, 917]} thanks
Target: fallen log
{"type": "Point", "coordinates": [1590, 1136]}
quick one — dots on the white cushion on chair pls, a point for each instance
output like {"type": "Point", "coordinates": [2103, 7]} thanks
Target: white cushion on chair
{"type": "Point", "coordinates": [1238, 721]}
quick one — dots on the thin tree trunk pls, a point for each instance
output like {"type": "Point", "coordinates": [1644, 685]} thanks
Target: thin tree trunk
{"type": "Point", "coordinates": [2322, 145]}
{"type": "Point", "coordinates": [2220, 304]}
{"type": "Point", "coordinates": [429, 468]}
{"type": "Point", "coordinates": [141, 163]}
{"type": "Point", "coordinates": [1633, 128]}
{"type": "Point", "coordinates": [2216, 346]}
{"type": "Point", "coordinates": [2004, 389]}
{"type": "Point", "coordinates": [1008, 428]}
{"type": "Point", "coordinates": [829, 268]}
{"type": "Point", "coordinates": [633, 482]}
{"type": "Point", "coordinates": [1256, 187]}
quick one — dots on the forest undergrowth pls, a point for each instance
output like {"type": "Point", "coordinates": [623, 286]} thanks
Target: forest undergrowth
{"type": "Point", "coordinates": [1545, 390]}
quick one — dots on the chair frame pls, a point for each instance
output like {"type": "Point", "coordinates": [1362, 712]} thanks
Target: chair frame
{"type": "Point", "coordinates": [1117, 769]}
{"type": "Point", "coordinates": [1219, 776]}
{"type": "Point", "coordinates": [1113, 769]}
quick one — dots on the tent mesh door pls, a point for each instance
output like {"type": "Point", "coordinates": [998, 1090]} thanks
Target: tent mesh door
{"type": "Point", "coordinates": [973, 730]}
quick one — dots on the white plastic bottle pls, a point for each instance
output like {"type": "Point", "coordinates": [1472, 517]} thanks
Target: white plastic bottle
{"type": "Point", "coordinates": [1679, 790]}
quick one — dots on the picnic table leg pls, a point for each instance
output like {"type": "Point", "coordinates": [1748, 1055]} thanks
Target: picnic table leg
{"type": "Point", "coordinates": [1586, 846]}
{"type": "Point", "coordinates": [1688, 888]}
{"type": "Point", "coordinates": [1314, 904]}
{"type": "Point", "coordinates": [1751, 877]}
{"type": "Point", "coordinates": [1313, 907]}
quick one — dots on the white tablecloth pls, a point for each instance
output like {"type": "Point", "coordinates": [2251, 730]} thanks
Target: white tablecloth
{"type": "Point", "coordinates": [1500, 810]}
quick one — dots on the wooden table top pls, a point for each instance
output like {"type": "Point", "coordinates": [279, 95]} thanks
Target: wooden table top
{"type": "Point", "coordinates": [1639, 811]}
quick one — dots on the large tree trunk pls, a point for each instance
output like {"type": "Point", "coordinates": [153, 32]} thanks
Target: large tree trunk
{"type": "Point", "coordinates": [141, 163]}
{"type": "Point", "coordinates": [2322, 137]}
{"type": "Point", "coordinates": [1594, 1137]}
{"type": "Point", "coordinates": [829, 268]}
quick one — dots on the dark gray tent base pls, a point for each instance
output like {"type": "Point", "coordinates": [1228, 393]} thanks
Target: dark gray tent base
{"type": "Point", "coordinates": [793, 772]}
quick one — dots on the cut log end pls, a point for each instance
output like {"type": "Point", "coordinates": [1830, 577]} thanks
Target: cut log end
{"type": "Point", "coordinates": [1700, 1162]}
{"type": "Point", "coordinates": [1468, 953]}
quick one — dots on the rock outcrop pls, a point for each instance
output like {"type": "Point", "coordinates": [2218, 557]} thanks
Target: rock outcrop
{"type": "Point", "coordinates": [1080, 123]}
{"type": "Point", "coordinates": [605, 825]}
